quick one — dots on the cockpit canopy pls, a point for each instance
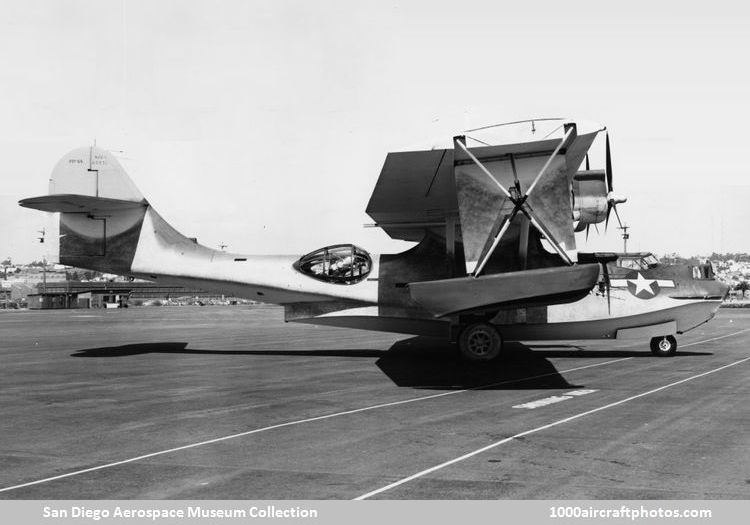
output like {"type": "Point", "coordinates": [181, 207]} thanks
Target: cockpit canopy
{"type": "Point", "coordinates": [637, 261]}
{"type": "Point", "coordinates": [621, 265]}
{"type": "Point", "coordinates": [629, 261]}
{"type": "Point", "coordinates": [338, 264]}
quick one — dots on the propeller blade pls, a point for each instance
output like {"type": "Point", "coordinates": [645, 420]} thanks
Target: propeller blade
{"type": "Point", "coordinates": [587, 232]}
{"type": "Point", "coordinates": [614, 207]}
{"type": "Point", "coordinates": [606, 222]}
{"type": "Point", "coordinates": [609, 166]}
{"type": "Point", "coordinates": [596, 227]}
{"type": "Point", "coordinates": [587, 162]}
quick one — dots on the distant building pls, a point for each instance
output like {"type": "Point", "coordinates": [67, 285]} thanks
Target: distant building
{"type": "Point", "coordinates": [106, 294]}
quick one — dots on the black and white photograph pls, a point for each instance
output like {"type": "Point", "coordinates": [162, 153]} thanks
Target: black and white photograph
{"type": "Point", "coordinates": [307, 252]}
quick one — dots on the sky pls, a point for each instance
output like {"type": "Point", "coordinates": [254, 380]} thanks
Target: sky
{"type": "Point", "coordinates": [264, 125]}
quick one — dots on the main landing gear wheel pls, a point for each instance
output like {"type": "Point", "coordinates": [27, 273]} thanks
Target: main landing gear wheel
{"type": "Point", "coordinates": [480, 342]}
{"type": "Point", "coordinates": [665, 346]}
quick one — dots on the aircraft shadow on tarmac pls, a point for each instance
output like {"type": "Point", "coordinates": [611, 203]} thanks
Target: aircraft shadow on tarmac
{"type": "Point", "coordinates": [423, 362]}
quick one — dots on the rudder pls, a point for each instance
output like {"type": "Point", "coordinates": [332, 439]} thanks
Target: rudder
{"type": "Point", "coordinates": [101, 210]}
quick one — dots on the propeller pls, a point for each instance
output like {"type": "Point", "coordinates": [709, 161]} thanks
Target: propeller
{"type": "Point", "coordinates": [608, 167]}
{"type": "Point", "coordinates": [612, 199]}
{"type": "Point", "coordinates": [520, 203]}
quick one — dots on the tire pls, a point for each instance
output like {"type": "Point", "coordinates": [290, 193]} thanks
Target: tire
{"type": "Point", "coordinates": [480, 342]}
{"type": "Point", "coordinates": [665, 346]}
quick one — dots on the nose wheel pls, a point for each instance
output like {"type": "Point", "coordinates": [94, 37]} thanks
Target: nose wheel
{"type": "Point", "coordinates": [665, 346]}
{"type": "Point", "coordinates": [480, 342]}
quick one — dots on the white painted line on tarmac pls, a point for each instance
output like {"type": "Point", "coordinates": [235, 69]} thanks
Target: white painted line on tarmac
{"type": "Point", "coordinates": [544, 427]}
{"type": "Point", "coordinates": [581, 392]}
{"type": "Point", "coordinates": [554, 399]}
{"type": "Point", "coordinates": [522, 379]}
{"type": "Point", "coordinates": [292, 423]}
{"type": "Point", "coordinates": [714, 338]}
{"type": "Point", "coordinates": [543, 402]}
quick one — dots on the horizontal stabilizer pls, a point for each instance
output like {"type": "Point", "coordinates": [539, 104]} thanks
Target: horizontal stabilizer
{"type": "Point", "coordinates": [556, 285]}
{"type": "Point", "coordinates": [79, 204]}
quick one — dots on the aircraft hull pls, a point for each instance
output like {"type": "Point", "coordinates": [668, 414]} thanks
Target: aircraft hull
{"type": "Point", "coordinates": [686, 315]}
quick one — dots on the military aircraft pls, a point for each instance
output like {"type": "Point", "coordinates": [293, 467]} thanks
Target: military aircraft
{"type": "Point", "coordinates": [493, 213]}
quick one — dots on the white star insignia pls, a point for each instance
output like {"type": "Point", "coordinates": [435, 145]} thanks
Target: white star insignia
{"type": "Point", "coordinates": [642, 284]}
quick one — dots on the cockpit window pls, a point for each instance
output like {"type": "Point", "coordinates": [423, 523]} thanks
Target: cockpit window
{"type": "Point", "coordinates": [339, 264]}
{"type": "Point", "coordinates": [651, 261]}
{"type": "Point", "coordinates": [631, 264]}
{"type": "Point", "coordinates": [640, 263]}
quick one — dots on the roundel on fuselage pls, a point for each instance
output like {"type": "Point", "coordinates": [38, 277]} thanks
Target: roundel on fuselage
{"type": "Point", "coordinates": [642, 287]}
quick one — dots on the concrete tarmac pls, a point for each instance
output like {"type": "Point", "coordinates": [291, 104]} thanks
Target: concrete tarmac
{"type": "Point", "coordinates": [231, 403]}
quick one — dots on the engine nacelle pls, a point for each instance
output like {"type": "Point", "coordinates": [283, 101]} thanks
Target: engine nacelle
{"type": "Point", "coordinates": [590, 199]}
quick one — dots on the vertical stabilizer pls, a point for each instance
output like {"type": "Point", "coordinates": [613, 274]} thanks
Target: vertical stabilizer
{"type": "Point", "coordinates": [94, 172]}
{"type": "Point", "coordinates": [101, 211]}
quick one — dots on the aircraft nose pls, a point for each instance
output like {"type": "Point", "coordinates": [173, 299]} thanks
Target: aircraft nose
{"type": "Point", "coordinates": [691, 287]}
{"type": "Point", "coordinates": [713, 289]}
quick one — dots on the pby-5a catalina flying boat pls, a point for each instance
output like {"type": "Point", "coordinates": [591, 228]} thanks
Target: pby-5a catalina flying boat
{"type": "Point", "coordinates": [493, 213]}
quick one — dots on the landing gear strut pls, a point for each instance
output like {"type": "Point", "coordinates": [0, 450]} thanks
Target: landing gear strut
{"type": "Point", "coordinates": [665, 346]}
{"type": "Point", "coordinates": [480, 342]}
